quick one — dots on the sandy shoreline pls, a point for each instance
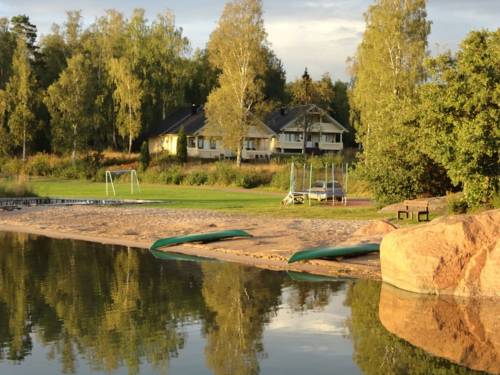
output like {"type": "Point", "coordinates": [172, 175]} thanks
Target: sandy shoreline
{"type": "Point", "coordinates": [274, 241]}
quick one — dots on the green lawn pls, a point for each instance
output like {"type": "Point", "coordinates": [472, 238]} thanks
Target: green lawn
{"type": "Point", "coordinates": [233, 200]}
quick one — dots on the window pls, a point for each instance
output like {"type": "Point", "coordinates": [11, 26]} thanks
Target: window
{"type": "Point", "coordinates": [309, 138]}
{"type": "Point", "coordinates": [332, 138]}
{"type": "Point", "coordinates": [201, 142]}
{"type": "Point", "coordinates": [249, 144]}
{"type": "Point", "coordinates": [191, 142]}
{"type": "Point", "coordinates": [213, 144]}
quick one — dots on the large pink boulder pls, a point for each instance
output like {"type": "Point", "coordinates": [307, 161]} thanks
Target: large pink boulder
{"type": "Point", "coordinates": [458, 255]}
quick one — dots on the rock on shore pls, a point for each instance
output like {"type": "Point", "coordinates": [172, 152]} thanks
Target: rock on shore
{"type": "Point", "coordinates": [457, 255]}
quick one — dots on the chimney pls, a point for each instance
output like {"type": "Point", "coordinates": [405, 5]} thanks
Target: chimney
{"type": "Point", "coordinates": [194, 109]}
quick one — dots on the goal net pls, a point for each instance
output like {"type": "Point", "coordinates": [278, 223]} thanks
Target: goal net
{"type": "Point", "coordinates": [111, 183]}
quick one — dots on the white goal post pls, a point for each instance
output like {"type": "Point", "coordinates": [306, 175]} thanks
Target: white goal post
{"type": "Point", "coordinates": [133, 178]}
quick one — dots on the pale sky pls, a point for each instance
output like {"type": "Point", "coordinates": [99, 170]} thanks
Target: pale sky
{"type": "Point", "coordinates": [319, 34]}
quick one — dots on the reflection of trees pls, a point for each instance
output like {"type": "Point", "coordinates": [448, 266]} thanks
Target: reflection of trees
{"type": "Point", "coordinates": [14, 289]}
{"type": "Point", "coordinates": [113, 307]}
{"type": "Point", "coordinates": [311, 295]}
{"type": "Point", "coordinates": [241, 300]}
{"type": "Point", "coordinates": [376, 351]}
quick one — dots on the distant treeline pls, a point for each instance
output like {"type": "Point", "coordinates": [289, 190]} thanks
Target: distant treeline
{"type": "Point", "coordinates": [107, 85]}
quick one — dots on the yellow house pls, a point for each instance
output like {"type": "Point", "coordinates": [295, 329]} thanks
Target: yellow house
{"type": "Point", "coordinates": [282, 131]}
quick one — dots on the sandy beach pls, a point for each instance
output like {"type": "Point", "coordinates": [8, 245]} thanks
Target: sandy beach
{"type": "Point", "coordinates": [274, 241]}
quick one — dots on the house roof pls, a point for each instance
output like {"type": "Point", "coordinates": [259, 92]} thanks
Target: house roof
{"type": "Point", "coordinates": [194, 121]}
{"type": "Point", "coordinates": [182, 117]}
{"type": "Point", "coordinates": [278, 118]}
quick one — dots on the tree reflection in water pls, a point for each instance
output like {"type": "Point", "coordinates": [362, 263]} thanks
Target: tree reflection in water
{"type": "Point", "coordinates": [113, 308]}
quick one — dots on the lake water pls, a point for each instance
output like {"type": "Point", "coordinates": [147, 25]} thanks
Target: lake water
{"type": "Point", "coordinates": [79, 308]}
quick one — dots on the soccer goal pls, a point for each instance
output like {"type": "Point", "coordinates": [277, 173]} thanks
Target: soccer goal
{"type": "Point", "coordinates": [133, 179]}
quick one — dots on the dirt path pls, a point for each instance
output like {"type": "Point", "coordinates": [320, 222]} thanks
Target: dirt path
{"type": "Point", "coordinates": [274, 241]}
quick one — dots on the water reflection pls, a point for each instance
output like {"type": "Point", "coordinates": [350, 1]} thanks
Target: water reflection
{"type": "Point", "coordinates": [92, 308]}
{"type": "Point", "coordinates": [377, 351]}
{"type": "Point", "coordinates": [465, 331]}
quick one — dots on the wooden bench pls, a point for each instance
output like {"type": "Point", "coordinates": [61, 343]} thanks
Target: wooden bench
{"type": "Point", "coordinates": [418, 207]}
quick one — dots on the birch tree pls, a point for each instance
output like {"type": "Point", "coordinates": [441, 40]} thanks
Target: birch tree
{"type": "Point", "coordinates": [127, 97]}
{"type": "Point", "coordinates": [21, 97]}
{"type": "Point", "coordinates": [236, 48]}
{"type": "Point", "coordinates": [387, 69]}
{"type": "Point", "coordinates": [70, 102]}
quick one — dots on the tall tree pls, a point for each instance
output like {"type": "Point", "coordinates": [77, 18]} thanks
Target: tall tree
{"type": "Point", "coordinates": [70, 101]}
{"type": "Point", "coordinates": [5, 141]}
{"type": "Point", "coordinates": [7, 47]}
{"type": "Point", "coordinates": [236, 48]}
{"type": "Point", "coordinates": [21, 97]}
{"type": "Point", "coordinates": [460, 115]}
{"type": "Point", "coordinates": [387, 69]}
{"type": "Point", "coordinates": [305, 92]}
{"type": "Point", "coordinates": [127, 97]}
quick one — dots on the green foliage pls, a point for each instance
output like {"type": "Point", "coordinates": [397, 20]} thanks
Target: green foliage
{"type": "Point", "coordinates": [144, 156]}
{"type": "Point", "coordinates": [127, 97]}
{"type": "Point", "coordinates": [196, 178]}
{"type": "Point", "coordinates": [21, 95]}
{"type": "Point", "coordinates": [236, 48]}
{"type": "Point", "coordinates": [460, 115]}
{"type": "Point", "coordinates": [387, 69]}
{"type": "Point", "coordinates": [456, 204]}
{"type": "Point", "coordinates": [70, 101]}
{"type": "Point", "coordinates": [182, 153]}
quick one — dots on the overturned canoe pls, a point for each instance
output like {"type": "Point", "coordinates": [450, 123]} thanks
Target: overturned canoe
{"type": "Point", "coordinates": [167, 255]}
{"type": "Point", "coordinates": [311, 278]}
{"type": "Point", "coordinates": [203, 237]}
{"type": "Point", "coordinates": [334, 252]}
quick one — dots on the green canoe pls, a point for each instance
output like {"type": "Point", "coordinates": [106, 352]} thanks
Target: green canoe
{"type": "Point", "coordinates": [334, 252]}
{"type": "Point", "coordinates": [165, 255]}
{"type": "Point", "coordinates": [311, 278]}
{"type": "Point", "coordinates": [204, 237]}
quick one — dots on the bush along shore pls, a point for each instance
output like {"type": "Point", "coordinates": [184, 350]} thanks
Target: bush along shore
{"type": "Point", "coordinates": [166, 169]}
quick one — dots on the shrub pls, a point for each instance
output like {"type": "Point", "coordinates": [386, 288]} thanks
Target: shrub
{"type": "Point", "coordinates": [173, 175]}
{"type": "Point", "coordinates": [456, 204]}
{"type": "Point", "coordinates": [18, 189]}
{"type": "Point", "coordinates": [144, 156]}
{"type": "Point", "coordinates": [197, 178]}
{"type": "Point", "coordinates": [249, 179]}
{"type": "Point", "coordinates": [39, 165]}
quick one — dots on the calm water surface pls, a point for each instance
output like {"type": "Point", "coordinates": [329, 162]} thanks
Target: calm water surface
{"type": "Point", "coordinates": [81, 308]}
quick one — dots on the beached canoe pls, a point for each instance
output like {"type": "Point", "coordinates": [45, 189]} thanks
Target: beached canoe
{"type": "Point", "coordinates": [334, 252]}
{"type": "Point", "coordinates": [168, 255]}
{"type": "Point", "coordinates": [203, 237]}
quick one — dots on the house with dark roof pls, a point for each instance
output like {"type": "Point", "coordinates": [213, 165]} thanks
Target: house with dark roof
{"type": "Point", "coordinates": [281, 131]}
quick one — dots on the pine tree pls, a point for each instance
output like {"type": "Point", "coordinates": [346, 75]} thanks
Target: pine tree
{"type": "Point", "coordinates": [182, 153]}
{"type": "Point", "coordinates": [21, 97]}
{"type": "Point", "coordinates": [236, 48]}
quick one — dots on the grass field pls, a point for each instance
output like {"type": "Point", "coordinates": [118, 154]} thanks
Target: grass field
{"type": "Point", "coordinates": [226, 199]}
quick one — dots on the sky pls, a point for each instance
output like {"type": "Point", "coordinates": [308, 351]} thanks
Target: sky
{"type": "Point", "coordinates": [319, 34]}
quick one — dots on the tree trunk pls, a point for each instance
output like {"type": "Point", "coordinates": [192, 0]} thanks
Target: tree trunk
{"type": "Point", "coordinates": [24, 142]}
{"type": "Point", "coordinates": [73, 154]}
{"type": "Point", "coordinates": [129, 122]}
{"type": "Point", "coordinates": [238, 156]}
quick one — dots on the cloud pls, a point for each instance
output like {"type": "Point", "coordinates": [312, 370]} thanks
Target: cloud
{"type": "Point", "coordinates": [321, 45]}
